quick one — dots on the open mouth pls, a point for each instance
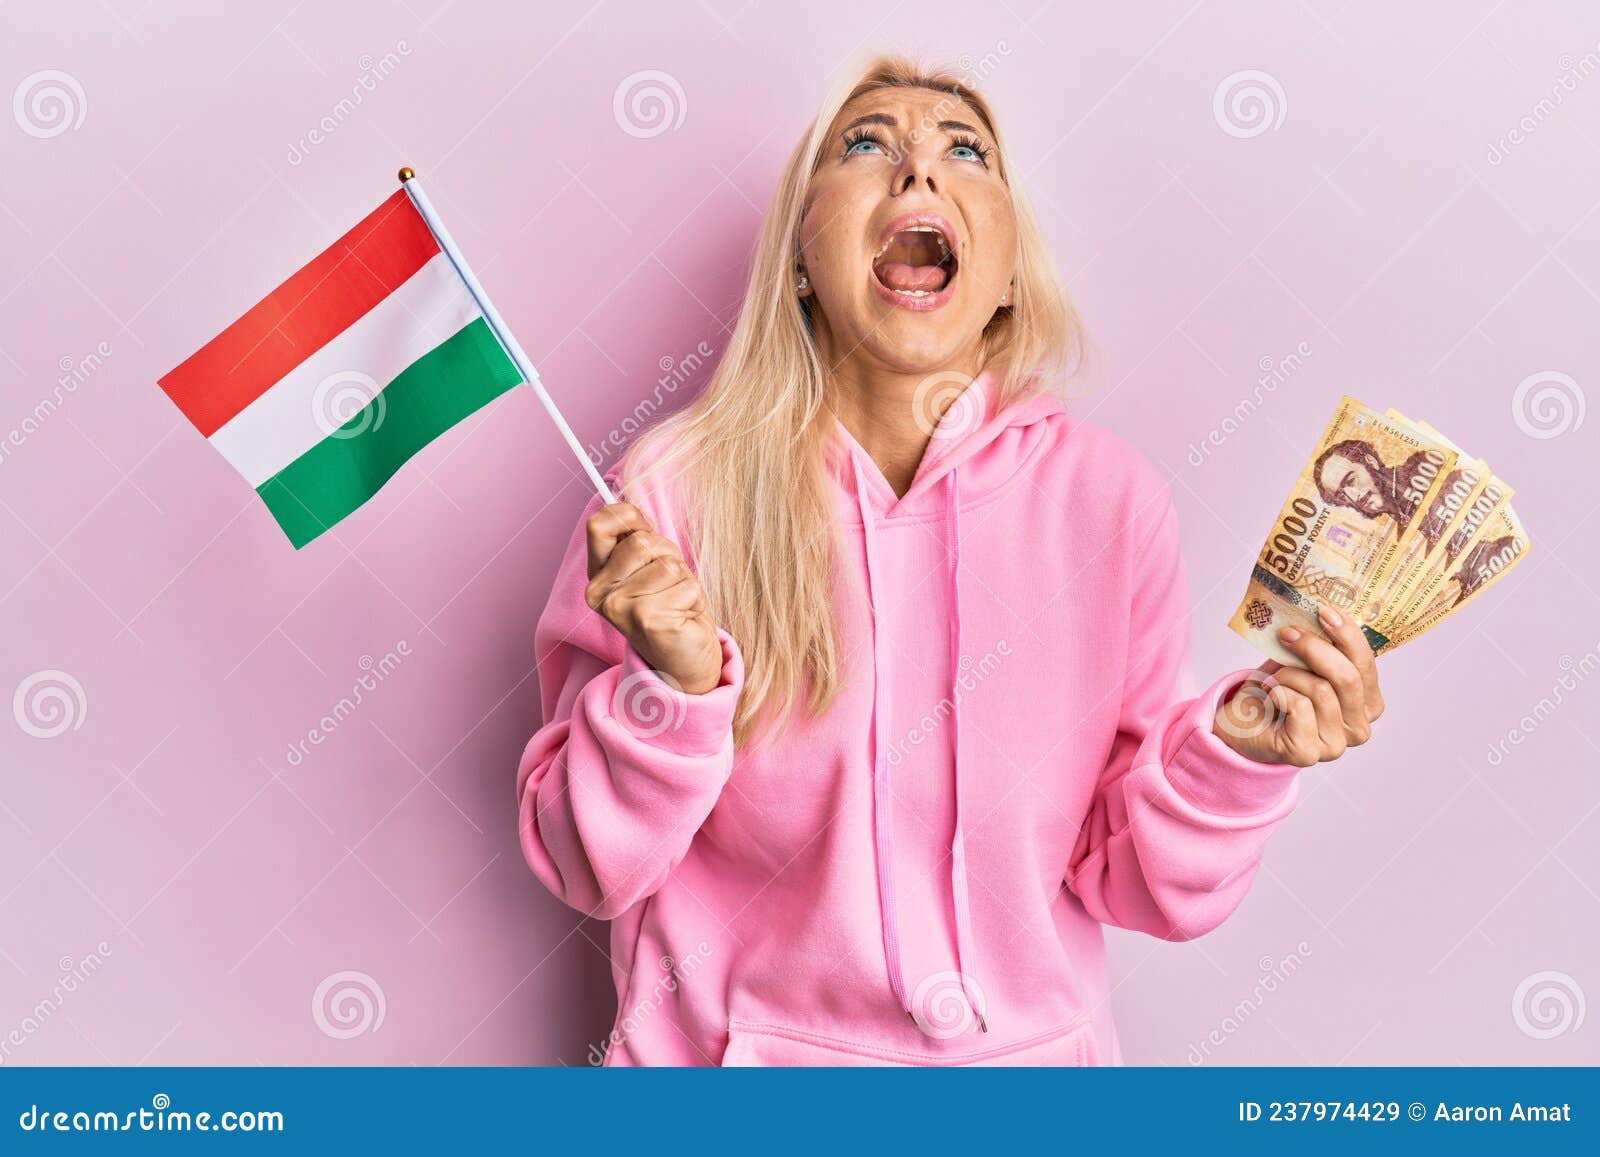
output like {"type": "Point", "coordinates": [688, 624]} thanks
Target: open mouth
{"type": "Point", "coordinates": [916, 262]}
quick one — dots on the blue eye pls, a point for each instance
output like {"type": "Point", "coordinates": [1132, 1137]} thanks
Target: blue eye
{"type": "Point", "coordinates": [970, 149]}
{"type": "Point", "coordinates": [854, 144]}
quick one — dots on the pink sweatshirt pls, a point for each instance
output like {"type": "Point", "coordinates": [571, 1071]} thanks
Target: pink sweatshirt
{"type": "Point", "coordinates": [921, 874]}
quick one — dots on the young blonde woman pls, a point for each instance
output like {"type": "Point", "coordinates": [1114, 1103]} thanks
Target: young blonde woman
{"type": "Point", "coordinates": [871, 704]}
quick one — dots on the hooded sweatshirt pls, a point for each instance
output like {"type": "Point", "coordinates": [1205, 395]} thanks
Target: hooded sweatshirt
{"type": "Point", "coordinates": [920, 874]}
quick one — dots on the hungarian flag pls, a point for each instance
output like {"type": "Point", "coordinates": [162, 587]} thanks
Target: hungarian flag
{"type": "Point", "coordinates": [337, 377]}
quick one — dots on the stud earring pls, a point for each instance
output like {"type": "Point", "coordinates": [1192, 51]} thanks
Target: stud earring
{"type": "Point", "coordinates": [1005, 297]}
{"type": "Point", "coordinates": [803, 284]}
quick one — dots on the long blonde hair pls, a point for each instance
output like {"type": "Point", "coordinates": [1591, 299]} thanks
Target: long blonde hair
{"type": "Point", "coordinates": [747, 452]}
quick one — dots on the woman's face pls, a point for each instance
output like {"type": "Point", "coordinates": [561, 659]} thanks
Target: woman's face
{"type": "Point", "coordinates": [909, 238]}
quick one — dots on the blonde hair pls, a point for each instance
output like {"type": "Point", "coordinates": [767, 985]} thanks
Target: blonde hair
{"type": "Point", "coordinates": [747, 452]}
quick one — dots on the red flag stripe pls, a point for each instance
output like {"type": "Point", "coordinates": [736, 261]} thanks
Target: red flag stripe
{"type": "Point", "coordinates": [302, 315]}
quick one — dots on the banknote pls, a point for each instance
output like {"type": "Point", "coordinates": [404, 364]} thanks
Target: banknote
{"type": "Point", "coordinates": [1498, 545]}
{"type": "Point", "coordinates": [1419, 585]}
{"type": "Point", "coordinates": [1456, 520]}
{"type": "Point", "coordinates": [1391, 522]}
{"type": "Point", "coordinates": [1463, 484]}
{"type": "Point", "coordinates": [1351, 517]}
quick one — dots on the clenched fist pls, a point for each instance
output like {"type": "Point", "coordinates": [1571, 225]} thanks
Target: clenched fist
{"type": "Point", "coordinates": [640, 584]}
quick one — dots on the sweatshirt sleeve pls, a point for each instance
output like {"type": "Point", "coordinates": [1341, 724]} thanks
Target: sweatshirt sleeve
{"type": "Point", "coordinates": [626, 767]}
{"type": "Point", "coordinates": [1176, 827]}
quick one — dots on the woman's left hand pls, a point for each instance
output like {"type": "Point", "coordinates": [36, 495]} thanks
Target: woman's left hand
{"type": "Point", "coordinates": [1288, 715]}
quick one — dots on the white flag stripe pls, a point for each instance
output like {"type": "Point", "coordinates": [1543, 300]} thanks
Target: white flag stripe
{"type": "Point", "coordinates": [303, 408]}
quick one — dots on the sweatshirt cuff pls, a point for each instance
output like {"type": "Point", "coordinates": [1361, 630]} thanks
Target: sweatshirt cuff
{"type": "Point", "coordinates": [1215, 777]}
{"type": "Point", "coordinates": [653, 708]}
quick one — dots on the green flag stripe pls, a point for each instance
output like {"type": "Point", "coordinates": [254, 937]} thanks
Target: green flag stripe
{"type": "Point", "coordinates": [433, 393]}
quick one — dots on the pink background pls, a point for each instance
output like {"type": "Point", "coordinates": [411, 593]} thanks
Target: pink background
{"type": "Point", "coordinates": [1389, 226]}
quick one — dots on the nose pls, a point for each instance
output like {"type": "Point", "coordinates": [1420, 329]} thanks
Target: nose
{"type": "Point", "coordinates": [915, 168]}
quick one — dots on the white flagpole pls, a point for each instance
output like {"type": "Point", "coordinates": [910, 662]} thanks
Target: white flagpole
{"type": "Point", "coordinates": [497, 325]}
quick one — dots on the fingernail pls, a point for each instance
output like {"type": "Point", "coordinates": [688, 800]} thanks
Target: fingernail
{"type": "Point", "coordinates": [1288, 634]}
{"type": "Point", "coordinates": [1332, 617]}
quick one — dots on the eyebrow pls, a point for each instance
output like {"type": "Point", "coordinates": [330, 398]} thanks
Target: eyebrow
{"type": "Point", "coordinates": [878, 118]}
{"type": "Point", "coordinates": [871, 118]}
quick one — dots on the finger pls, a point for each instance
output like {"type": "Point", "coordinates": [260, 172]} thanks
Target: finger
{"type": "Point", "coordinates": [633, 554]}
{"type": "Point", "coordinates": [1298, 740]}
{"type": "Point", "coordinates": [656, 599]}
{"type": "Point", "coordinates": [636, 550]}
{"type": "Point", "coordinates": [659, 597]}
{"type": "Point", "coordinates": [1348, 636]}
{"type": "Point", "coordinates": [1332, 730]}
{"type": "Point", "coordinates": [1328, 661]}
{"type": "Point", "coordinates": [610, 525]}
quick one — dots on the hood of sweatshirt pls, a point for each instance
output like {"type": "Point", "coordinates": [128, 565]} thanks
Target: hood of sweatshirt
{"type": "Point", "coordinates": [920, 874]}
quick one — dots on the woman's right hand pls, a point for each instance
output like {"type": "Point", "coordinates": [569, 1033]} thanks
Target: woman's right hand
{"type": "Point", "coordinates": [640, 584]}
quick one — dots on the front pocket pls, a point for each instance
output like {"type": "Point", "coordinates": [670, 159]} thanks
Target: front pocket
{"type": "Point", "coordinates": [755, 1044]}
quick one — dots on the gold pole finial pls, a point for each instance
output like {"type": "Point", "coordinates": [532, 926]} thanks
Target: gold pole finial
{"type": "Point", "coordinates": [406, 174]}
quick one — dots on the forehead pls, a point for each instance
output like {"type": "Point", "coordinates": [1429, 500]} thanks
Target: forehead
{"type": "Point", "coordinates": [1334, 468]}
{"type": "Point", "coordinates": [921, 108]}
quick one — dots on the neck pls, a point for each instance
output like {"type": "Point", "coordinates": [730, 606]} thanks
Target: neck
{"type": "Point", "coordinates": [883, 413]}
